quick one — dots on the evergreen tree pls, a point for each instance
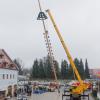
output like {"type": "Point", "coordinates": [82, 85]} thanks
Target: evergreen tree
{"type": "Point", "coordinates": [82, 73]}
{"type": "Point", "coordinates": [41, 69]}
{"type": "Point", "coordinates": [77, 64]}
{"type": "Point", "coordinates": [35, 71]}
{"type": "Point", "coordinates": [64, 67]}
{"type": "Point", "coordinates": [45, 66]}
{"type": "Point", "coordinates": [80, 67]}
{"type": "Point", "coordinates": [71, 72]}
{"type": "Point", "coordinates": [48, 68]}
{"type": "Point", "coordinates": [87, 70]}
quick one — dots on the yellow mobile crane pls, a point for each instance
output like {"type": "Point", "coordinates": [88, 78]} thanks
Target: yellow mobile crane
{"type": "Point", "coordinates": [82, 87]}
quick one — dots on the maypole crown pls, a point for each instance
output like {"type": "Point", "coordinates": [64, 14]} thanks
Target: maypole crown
{"type": "Point", "coordinates": [41, 16]}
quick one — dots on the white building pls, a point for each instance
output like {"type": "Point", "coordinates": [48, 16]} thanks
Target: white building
{"type": "Point", "coordinates": [8, 74]}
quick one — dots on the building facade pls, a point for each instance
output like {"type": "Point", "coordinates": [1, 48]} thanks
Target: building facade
{"type": "Point", "coordinates": [8, 75]}
{"type": "Point", "coordinates": [95, 73]}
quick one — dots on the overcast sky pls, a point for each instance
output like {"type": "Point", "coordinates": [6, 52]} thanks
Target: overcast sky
{"type": "Point", "coordinates": [21, 35]}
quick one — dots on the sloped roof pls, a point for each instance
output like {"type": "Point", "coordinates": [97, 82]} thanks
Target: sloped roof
{"type": "Point", "coordinates": [6, 62]}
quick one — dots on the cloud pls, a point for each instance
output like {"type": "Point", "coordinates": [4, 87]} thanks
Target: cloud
{"type": "Point", "coordinates": [78, 20]}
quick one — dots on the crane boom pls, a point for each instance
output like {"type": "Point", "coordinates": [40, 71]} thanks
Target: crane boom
{"type": "Point", "coordinates": [65, 48]}
{"type": "Point", "coordinates": [82, 87]}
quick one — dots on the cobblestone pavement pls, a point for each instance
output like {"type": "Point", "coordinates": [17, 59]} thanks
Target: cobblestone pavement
{"type": "Point", "coordinates": [53, 96]}
{"type": "Point", "coordinates": [50, 96]}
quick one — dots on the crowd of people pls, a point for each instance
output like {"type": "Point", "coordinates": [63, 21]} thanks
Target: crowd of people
{"type": "Point", "coordinates": [25, 90]}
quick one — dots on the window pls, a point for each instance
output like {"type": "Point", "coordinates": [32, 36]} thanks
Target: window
{"type": "Point", "coordinates": [13, 76]}
{"type": "Point", "coordinates": [3, 76]}
{"type": "Point", "coordinates": [7, 76]}
{"type": "Point", "coordinates": [10, 76]}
